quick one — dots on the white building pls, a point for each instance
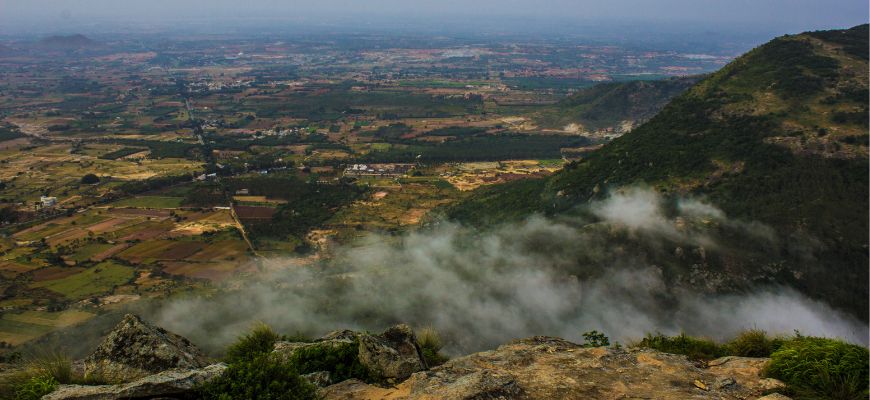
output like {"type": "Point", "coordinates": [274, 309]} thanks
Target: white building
{"type": "Point", "coordinates": [48, 201]}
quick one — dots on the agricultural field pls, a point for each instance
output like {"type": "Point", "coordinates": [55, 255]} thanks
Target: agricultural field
{"type": "Point", "coordinates": [138, 169]}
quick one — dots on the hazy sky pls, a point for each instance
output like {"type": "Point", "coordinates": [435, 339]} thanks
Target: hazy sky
{"type": "Point", "coordinates": [773, 15]}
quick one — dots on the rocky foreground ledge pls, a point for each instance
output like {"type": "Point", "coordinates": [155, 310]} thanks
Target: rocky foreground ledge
{"type": "Point", "coordinates": [159, 364]}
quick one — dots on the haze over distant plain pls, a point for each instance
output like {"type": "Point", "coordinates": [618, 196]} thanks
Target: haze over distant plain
{"type": "Point", "coordinates": [768, 16]}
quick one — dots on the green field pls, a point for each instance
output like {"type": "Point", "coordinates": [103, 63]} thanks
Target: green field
{"type": "Point", "coordinates": [18, 328]}
{"type": "Point", "coordinates": [150, 202]}
{"type": "Point", "coordinates": [85, 253]}
{"type": "Point", "coordinates": [96, 280]}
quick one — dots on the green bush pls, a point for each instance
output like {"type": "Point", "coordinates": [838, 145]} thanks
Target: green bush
{"type": "Point", "coordinates": [90, 179]}
{"type": "Point", "coordinates": [693, 348]}
{"type": "Point", "coordinates": [753, 343]}
{"type": "Point", "coordinates": [595, 339]}
{"type": "Point", "coordinates": [260, 340]}
{"type": "Point", "coordinates": [430, 346]}
{"type": "Point", "coordinates": [262, 378]}
{"type": "Point", "coordinates": [341, 360]}
{"type": "Point", "coordinates": [36, 374]}
{"type": "Point", "coordinates": [36, 387]}
{"type": "Point", "coordinates": [818, 368]}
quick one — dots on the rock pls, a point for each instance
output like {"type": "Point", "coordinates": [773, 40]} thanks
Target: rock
{"type": "Point", "coordinates": [475, 385]}
{"type": "Point", "coordinates": [344, 335]}
{"type": "Point", "coordinates": [392, 355]}
{"type": "Point", "coordinates": [174, 383]}
{"type": "Point", "coordinates": [553, 368]}
{"type": "Point", "coordinates": [775, 396]}
{"type": "Point", "coordinates": [320, 379]}
{"type": "Point", "coordinates": [770, 384]}
{"type": "Point", "coordinates": [701, 385]}
{"type": "Point", "coordinates": [722, 383]}
{"type": "Point", "coordinates": [745, 371]}
{"type": "Point", "coordinates": [134, 349]}
{"type": "Point", "coordinates": [355, 389]}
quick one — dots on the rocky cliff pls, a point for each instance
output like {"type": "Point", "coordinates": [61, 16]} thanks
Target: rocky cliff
{"type": "Point", "coordinates": [533, 368]}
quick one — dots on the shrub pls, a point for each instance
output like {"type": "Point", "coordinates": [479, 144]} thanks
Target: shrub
{"type": "Point", "coordinates": [261, 377]}
{"type": "Point", "coordinates": [595, 339]}
{"type": "Point", "coordinates": [693, 348]}
{"type": "Point", "coordinates": [90, 179]}
{"type": "Point", "coordinates": [430, 346]}
{"type": "Point", "coordinates": [341, 360]}
{"type": "Point", "coordinates": [260, 340]}
{"type": "Point", "coordinates": [753, 343]}
{"type": "Point", "coordinates": [818, 368]}
{"type": "Point", "coordinates": [36, 387]}
{"type": "Point", "coordinates": [39, 374]}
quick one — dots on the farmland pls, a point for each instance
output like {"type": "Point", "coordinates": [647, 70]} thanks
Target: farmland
{"type": "Point", "coordinates": [145, 168]}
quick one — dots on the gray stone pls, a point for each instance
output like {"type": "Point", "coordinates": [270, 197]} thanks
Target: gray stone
{"type": "Point", "coordinates": [167, 383]}
{"type": "Point", "coordinates": [393, 354]}
{"type": "Point", "coordinates": [134, 349]}
{"type": "Point", "coordinates": [320, 379]}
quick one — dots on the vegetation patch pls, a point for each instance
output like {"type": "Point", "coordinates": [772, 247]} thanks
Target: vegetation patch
{"type": "Point", "coordinates": [150, 202]}
{"type": "Point", "coordinates": [102, 278]}
{"type": "Point", "coordinates": [262, 377]}
{"type": "Point", "coordinates": [817, 368]}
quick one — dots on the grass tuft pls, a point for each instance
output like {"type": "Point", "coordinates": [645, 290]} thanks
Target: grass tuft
{"type": "Point", "coordinates": [819, 368]}
{"type": "Point", "coordinates": [430, 344]}
{"type": "Point", "coordinates": [692, 347]}
{"type": "Point", "coordinates": [260, 340]}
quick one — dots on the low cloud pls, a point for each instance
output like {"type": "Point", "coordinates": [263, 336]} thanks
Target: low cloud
{"type": "Point", "coordinates": [537, 277]}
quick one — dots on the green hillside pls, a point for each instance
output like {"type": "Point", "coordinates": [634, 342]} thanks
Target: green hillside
{"type": "Point", "coordinates": [609, 104]}
{"type": "Point", "coordinates": [777, 136]}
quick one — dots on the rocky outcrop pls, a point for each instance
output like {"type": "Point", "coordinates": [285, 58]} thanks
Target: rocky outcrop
{"type": "Point", "coordinates": [534, 368]}
{"type": "Point", "coordinates": [393, 355]}
{"type": "Point", "coordinates": [163, 384]}
{"type": "Point", "coordinates": [135, 349]}
{"type": "Point", "coordinates": [552, 368]}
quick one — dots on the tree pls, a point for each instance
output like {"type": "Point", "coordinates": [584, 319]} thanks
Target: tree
{"type": "Point", "coordinates": [90, 179]}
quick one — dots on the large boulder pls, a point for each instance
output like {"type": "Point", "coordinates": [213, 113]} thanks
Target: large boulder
{"type": "Point", "coordinates": [135, 349]}
{"type": "Point", "coordinates": [552, 368]}
{"type": "Point", "coordinates": [173, 383]}
{"type": "Point", "coordinates": [393, 355]}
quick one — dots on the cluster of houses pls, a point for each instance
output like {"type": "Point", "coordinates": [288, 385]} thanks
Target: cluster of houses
{"type": "Point", "coordinates": [206, 86]}
{"type": "Point", "coordinates": [356, 170]}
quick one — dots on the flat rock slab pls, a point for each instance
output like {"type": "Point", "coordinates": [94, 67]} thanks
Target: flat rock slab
{"type": "Point", "coordinates": [552, 368]}
{"type": "Point", "coordinates": [167, 383]}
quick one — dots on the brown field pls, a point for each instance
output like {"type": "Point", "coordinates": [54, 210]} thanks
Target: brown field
{"type": "Point", "coordinates": [209, 271]}
{"type": "Point", "coordinates": [14, 143]}
{"type": "Point", "coordinates": [11, 269]}
{"type": "Point", "coordinates": [107, 225]}
{"type": "Point", "coordinates": [253, 212]}
{"type": "Point", "coordinates": [139, 212]}
{"type": "Point", "coordinates": [110, 252]}
{"type": "Point", "coordinates": [66, 236]}
{"type": "Point", "coordinates": [225, 250]}
{"type": "Point", "coordinates": [145, 234]}
{"type": "Point", "coordinates": [182, 250]}
{"type": "Point", "coordinates": [259, 199]}
{"type": "Point", "coordinates": [145, 250]}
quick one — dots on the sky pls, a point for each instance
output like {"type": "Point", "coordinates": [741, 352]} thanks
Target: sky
{"type": "Point", "coordinates": [781, 16]}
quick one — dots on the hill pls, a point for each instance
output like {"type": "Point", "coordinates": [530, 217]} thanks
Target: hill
{"type": "Point", "coordinates": [66, 41]}
{"type": "Point", "coordinates": [609, 105]}
{"type": "Point", "coordinates": [778, 136]}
